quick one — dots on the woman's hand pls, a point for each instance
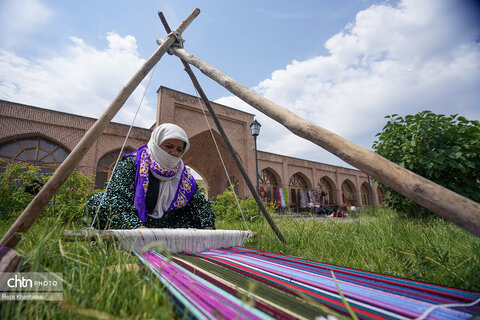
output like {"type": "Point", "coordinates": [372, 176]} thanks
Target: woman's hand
{"type": "Point", "coordinates": [208, 228]}
{"type": "Point", "coordinates": [142, 227]}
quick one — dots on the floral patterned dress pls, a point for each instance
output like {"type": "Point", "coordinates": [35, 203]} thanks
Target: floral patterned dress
{"type": "Point", "coordinates": [117, 210]}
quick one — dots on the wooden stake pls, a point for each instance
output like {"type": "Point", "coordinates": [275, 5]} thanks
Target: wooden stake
{"type": "Point", "coordinates": [28, 216]}
{"type": "Point", "coordinates": [450, 205]}
{"type": "Point", "coordinates": [227, 141]}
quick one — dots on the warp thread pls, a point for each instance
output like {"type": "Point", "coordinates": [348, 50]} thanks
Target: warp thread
{"type": "Point", "coordinates": [180, 240]}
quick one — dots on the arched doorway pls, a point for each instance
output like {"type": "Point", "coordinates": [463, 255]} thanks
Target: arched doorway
{"type": "Point", "coordinates": [348, 193]}
{"type": "Point", "coordinates": [268, 185]}
{"type": "Point", "coordinates": [105, 167]}
{"type": "Point", "coordinates": [326, 191]}
{"type": "Point", "coordinates": [36, 150]}
{"type": "Point", "coordinates": [234, 183]}
{"type": "Point", "coordinates": [298, 187]}
{"type": "Point", "coordinates": [202, 183]}
{"type": "Point", "coordinates": [205, 159]}
{"type": "Point", "coordinates": [365, 194]}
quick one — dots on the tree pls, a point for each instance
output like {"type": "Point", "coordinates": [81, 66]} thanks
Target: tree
{"type": "Point", "coordinates": [443, 149]}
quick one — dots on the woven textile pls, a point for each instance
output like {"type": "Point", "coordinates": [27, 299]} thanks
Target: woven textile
{"type": "Point", "coordinates": [195, 297]}
{"type": "Point", "coordinates": [282, 198]}
{"type": "Point", "coordinates": [371, 295]}
{"type": "Point", "coordinates": [273, 301]}
{"type": "Point", "coordinates": [316, 198]}
{"type": "Point", "coordinates": [303, 198]}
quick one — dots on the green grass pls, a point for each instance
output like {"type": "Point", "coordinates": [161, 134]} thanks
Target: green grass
{"type": "Point", "coordinates": [100, 281]}
{"type": "Point", "coordinates": [434, 250]}
{"type": "Point", "coordinates": [99, 285]}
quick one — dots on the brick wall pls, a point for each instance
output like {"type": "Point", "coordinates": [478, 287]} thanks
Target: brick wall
{"type": "Point", "coordinates": [19, 121]}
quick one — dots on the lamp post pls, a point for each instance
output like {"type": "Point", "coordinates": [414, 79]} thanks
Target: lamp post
{"type": "Point", "coordinates": [255, 127]}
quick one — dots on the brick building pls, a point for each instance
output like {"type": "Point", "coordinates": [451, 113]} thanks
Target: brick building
{"type": "Point", "coordinates": [45, 137]}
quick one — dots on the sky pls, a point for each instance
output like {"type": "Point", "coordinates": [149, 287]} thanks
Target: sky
{"type": "Point", "coordinates": [343, 65]}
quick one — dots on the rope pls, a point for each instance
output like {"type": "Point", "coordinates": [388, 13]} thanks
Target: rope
{"type": "Point", "coordinates": [221, 159]}
{"type": "Point", "coordinates": [178, 42]}
{"type": "Point", "coordinates": [123, 145]}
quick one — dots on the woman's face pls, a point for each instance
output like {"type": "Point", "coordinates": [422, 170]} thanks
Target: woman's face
{"type": "Point", "coordinates": [173, 147]}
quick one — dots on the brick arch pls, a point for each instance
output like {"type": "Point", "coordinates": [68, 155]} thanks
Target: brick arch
{"type": "Point", "coordinates": [35, 134]}
{"type": "Point", "coordinates": [274, 172]}
{"type": "Point", "coordinates": [327, 185]}
{"type": "Point", "coordinates": [349, 193]}
{"type": "Point", "coordinates": [297, 183]}
{"type": "Point", "coordinates": [186, 111]}
{"type": "Point", "coordinates": [204, 185]}
{"type": "Point", "coordinates": [36, 149]}
{"type": "Point", "coordinates": [269, 182]}
{"type": "Point", "coordinates": [366, 194]}
{"type": "Point", "coordinates": [304, 177]}
{"type": "Point", "coordinates": [105, 164]}
{"type": "Point", "coordinates": [204, 158]}
{"type": "Point", "coordinates": [233, 182]}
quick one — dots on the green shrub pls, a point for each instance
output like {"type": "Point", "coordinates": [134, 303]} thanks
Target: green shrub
{"type": "Point", "coordinates": [14, 179]}
{"type": "Point", "coordinates": [70, 199]}
{"type": "Point", "coordinates": [18, 179]}
{"type": "Point", "coordinates": [443, 149]}
{"type": "Point", "coordinates": [226, 207]}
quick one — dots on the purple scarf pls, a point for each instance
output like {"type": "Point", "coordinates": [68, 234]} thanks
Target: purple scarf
{"type": "Point", "coordinates": [186, 185]}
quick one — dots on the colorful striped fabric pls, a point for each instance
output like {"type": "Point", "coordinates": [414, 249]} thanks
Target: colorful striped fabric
{"type": "Point", "coordinates": [195, 297]}
{"type": "Point", "coordinates": [278, 303]}
{"type": "Point", "coordinates": [370, 295]}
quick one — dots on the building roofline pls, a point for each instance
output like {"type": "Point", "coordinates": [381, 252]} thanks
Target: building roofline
{"type": "Point", "coordinates": [191, 95]}
{"type": "Point", "coordinates": [69, 114]}
{"type": "Point", "coordinates": [326, 164]}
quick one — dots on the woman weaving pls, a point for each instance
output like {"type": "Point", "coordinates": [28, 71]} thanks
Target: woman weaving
{"type": "Point", "coordinates": [152, 188]}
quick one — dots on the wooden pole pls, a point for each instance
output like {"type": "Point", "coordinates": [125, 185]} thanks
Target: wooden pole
{"type": "Point", "coordinates": [450, 205]}
{"type": "Point", "coordinates": [28, 216]}
{"type": "Point", "coordinates": [230, 147]}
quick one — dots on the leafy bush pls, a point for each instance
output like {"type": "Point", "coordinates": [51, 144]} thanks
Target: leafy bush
{"type": "Point", "coordinates": [19, 182]}
{"type": "Point", "coordinates": [14, 179]}
{"type": "Point", "coordinates": [70, 199]}
{"type": "Point", "coordinates": [227, 209]}
{"type": "Point", "coordinates": [445, 150]}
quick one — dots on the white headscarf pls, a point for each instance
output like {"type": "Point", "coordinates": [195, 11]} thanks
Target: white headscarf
{"type": "Point", "coordinates": [168, 186]}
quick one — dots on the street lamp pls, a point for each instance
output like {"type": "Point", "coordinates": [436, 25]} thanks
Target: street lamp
{"type": "Point", "coordinates": [255, 127]}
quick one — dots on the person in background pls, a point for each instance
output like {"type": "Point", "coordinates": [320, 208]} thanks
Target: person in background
{"type": "Point", "coordinates": [152, 188]}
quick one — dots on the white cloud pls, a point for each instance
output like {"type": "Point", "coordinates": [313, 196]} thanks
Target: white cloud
{"type": "Point", "coordinates": [418, 55]}
{"type": "Point", "coordinates": [19, 19]}
{"type": "Point", "coordinates": [80, 79]}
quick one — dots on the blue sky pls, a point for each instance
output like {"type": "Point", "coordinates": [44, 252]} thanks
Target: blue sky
{"type": "Point", "coordinates": [343, 65]}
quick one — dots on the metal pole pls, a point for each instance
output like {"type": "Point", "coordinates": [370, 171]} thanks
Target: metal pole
{"type": "Point", "coordinates": [371, 194]}
{"type": "Point", "coordinates": [256, 162]}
